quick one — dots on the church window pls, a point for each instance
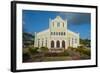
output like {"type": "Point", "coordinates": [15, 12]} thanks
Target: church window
{"type": "Point", "coordinates": [52, 44]}
{"type": "Point", "coordinates": [58, 24]}
{"type": "Point", "coordinates": [51, 33]}
{"type": "Point", "coordinates": [56, 33]}
{"type": "Point", "coordinates": [64, 33]}
{"type": "Point", "coordinates": [63, 24]}
{"type": "Point", "coordinates": [58, 44]}
{"type": "Point", "coordinates": [75, 40]}
{"type": "Point", "coordinates": [63, 44]}
{"type": "Point", "coordinates": [61, 33]}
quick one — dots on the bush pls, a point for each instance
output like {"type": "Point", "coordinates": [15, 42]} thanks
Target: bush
{"type": "Point", "coordinates": [33, 50]}
{"type": "Point", "coordinates": [66, 53]}
{"type": "Point", "coordinates": [87, 52]}
{"type": "Point", "coordinates": [26, 56]}
{"type": "Point", "coordinates": [84, 56]}
{"type": "Point", "coordinates": [84, 51]}
{"type": "Point", "coordinates": [81, 47]}
{"type": "Point", "coordinates": [44, 49]}
{"type": "Point", "coordinates": [71, 48]}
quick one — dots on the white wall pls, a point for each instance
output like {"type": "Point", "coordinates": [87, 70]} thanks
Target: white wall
{"type": "Point", "coordinates": [5, 37]}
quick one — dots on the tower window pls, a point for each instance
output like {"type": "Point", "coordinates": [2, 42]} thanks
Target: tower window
{"type": "Point", "coordinates": [56, 33]}
{"type": "Point", "coordinates": [64, 33]}
{"type": "Point", "coordinates": [51, 33]}
{"type": "Point", "coordinates": [75, 40]}
{"type": "Point", "coordinates": [63, 24]}
{"type": "Point", "coordinates": [58, 24]}
{"type": "Point", "coordinates": [61, 33]}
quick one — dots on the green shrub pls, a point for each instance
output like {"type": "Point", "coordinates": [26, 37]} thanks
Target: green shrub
{"type": "Point", "coordinates": [81, 47]}
{"type": "Point", "coordinates": [66, 53]}
{"type": "Point", "coordinates": [84, 56]}
{"type": "Point", "coordinates": [71, 48]}
{"type": "Point", "coordinates": [84, 51]}
{"type": "Point", "coordinates": [33, 50]}
{"type": "Point", "coordinates": [26, 56]}
{"type": "Point", "coordinates": [87, 52]}
{"type": "Point", "coordinates": [44, 49]}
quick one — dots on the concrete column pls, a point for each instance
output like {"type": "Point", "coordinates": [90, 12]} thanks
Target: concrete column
{"type": "Point", "coordinates": [54, 43]}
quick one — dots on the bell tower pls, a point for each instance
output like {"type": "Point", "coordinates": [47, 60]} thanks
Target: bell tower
{"type": "Point", "coordinates": [57, 26]}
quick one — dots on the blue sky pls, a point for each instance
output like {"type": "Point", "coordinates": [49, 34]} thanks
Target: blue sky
{"type": "Point", "coordinates": [36, 21]}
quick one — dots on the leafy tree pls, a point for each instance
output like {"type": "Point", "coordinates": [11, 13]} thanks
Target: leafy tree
{"type": "Point", "coordinates": [28, 39]}
{"type": "Point", "coordinates": [44, 49]}
{"type": "Point", "coordinates": [85, 42]}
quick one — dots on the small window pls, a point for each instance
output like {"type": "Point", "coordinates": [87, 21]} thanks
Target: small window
{"type": "Point", "coordinates": [61, 33]}
{"type": "Point", "coordinates": [58, 24]}
{"type": "Point", "coordinates": [56, 33]}
{"type": "Point", "coordinates": [64, 33]}
{"type": "Point", "coordinates": [75, 40]}
{"type": "Point", "coordinates": [63, 24]}
{"type": "Point", "coordinates": [72, 41]}
{"type": "Point", "coordinates": [51, 33]}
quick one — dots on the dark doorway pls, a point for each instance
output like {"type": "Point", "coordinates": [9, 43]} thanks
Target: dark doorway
{"type": "Point", "coordinates": [63, 44]}
{"type": "Point", "coordinates": [58, 44]}
{"type": "Point", "coordinates": [52, 44]}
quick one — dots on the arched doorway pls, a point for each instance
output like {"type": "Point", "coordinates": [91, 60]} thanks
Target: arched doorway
{"type": "Point", "coordinates": [63, 44]}
{"type": "Point", "coordinates": [58, 44]}
{"type": "Point", "coordinates": [52, 44]}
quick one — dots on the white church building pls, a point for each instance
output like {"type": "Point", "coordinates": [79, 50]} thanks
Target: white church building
{"type": "Point", "coordinates": [57, 37]}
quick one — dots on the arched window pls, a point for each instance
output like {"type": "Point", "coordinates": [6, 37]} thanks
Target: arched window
{"type": "Point", "coordinates": [51, 33]}
{"type": "Point", "coordinates": [38, 42]}
{"type": "Point", "coordinates": [52, 44]}
{"type": "Point", "coordinates": [63, 24]}
{"type": "Point", "coordinates": [58, 44]}
{"type": "Point", "coordinates": [54, 33]}
{"type": "Point", "coordinates": [63, 44]}
{"type": "Point", "coordinates": [61, 33]}
{"type": "Point", "coordinates": [64, 33]}
{"type": "Point", "coordinates": [58, 24]}
{"type": "Point", "coordinates": [75, 40]}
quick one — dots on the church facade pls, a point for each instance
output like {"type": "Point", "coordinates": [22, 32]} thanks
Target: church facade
{"type": "Point", "coordinates": [57, 37]}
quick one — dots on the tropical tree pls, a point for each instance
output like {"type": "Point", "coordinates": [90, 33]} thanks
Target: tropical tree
{"type": "Point", "coordinates": [85, 42]}
{"type": "Point", "coordinates": [28, 39]}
